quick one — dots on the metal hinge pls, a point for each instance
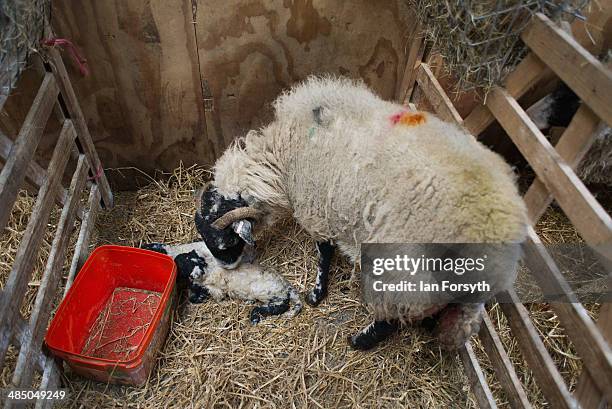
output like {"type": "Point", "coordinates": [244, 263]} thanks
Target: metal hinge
{"type": "Point", "coordinates": [209, 101]}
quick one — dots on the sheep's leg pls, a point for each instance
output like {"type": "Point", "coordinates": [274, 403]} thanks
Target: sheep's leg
{"type": "Point", "coordinates": [294, 298]}
{"type": "Point", "coordinates": [326, 251]}
{"type": "Point", "coordinates": [373, 334]}
{"type": "Point", "coordinates": [275, 307]}
{"type": "Point", "coordinates": [457, 323]}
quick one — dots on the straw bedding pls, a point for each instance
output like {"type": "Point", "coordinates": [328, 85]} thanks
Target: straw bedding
{"type": "Point", "coordinates": [480, 39]}
{"type": "Point", "coordinates": [214, 357]}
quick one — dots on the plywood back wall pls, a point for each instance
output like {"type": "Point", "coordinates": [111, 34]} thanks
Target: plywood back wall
{"type": "Point", "coordinates": [151, 59]}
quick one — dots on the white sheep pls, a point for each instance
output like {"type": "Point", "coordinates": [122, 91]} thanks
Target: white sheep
{"type": "Point", "coordinates": [352, 168]}
{"type": "Point", "coordinates": [247, 281]}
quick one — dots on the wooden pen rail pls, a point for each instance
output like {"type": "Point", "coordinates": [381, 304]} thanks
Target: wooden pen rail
{"type": "Point", "coordinates": [554, 52]}
{"type": "Point", "coordinates": [20, 171]}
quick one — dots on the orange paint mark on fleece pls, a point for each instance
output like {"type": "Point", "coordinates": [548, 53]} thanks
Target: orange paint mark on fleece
{"type": "Point", "coordinates": [408, 118]}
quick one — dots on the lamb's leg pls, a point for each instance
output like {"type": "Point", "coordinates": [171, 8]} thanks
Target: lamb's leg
{"type": "Point", "coordinates": [275, 307]}
{"type": "Point", "coordinates": [457, 323]}
{"type": "Point", "coordinates": [373, 334]}
{"type": "Point", "coordinates": [198, 293]}
{"type": "Point", "coordinates": [294, 298]}
{"type": "Point", "coordinates": [326, 251]}
{"type": "Point", "coordinates": [158, 247]}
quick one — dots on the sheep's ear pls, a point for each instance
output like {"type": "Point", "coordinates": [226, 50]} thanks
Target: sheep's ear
{"type": "Point", "coordinates": [244, 229]}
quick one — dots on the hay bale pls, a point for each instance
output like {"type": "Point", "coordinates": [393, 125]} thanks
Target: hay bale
{"type": "Point", "coordinates": [22, 24]}
{"type": "Point", "coordinates": [480, 39]}
{"type": "Point", "coordinates": [595, 168]}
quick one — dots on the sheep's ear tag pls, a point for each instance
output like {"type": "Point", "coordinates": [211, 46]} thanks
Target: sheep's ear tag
{"type": "Point", "coordinates": [316, 113]}
{"type": "Point", "coordinates": [244, 229]}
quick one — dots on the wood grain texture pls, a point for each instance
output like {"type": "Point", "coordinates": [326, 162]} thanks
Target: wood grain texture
{"type": "Point", "coordinates": [23, 374]}
{"type": "Point", "coordinates": [529, 72]}
{"type": "Point", "coordinates": [579, 69]}
{"type": "Point", "coordinates": [590, 344]}
{"type": "Point", "coordinates": [413, 59]}
{"type": "Point", "coordinates": [594, 36]}
{"type": "Point", "coordinates": [14, 170]}
{"type": "Point", "coordinates": [502, 365]}
{"type": "Point", "coordinates": [21, 330]}
{"type": "Point", "coordinates": [590, 219]}
{"type": "Point", "coordinates": [251, 50]}
{"type": "Point", "coordinates": [436, 96]}
{"type": "Point", "coordinates": [476, 377]}
{"type": "Point", "coordinates": [82, 245]}
{"type": "Point", "coordinates": [589, 341]}
{"type": "Point", "coordinates": [143, 99]}
{"type": "Point", "coordinates": [82, 131]}
{"type": "Point", "coordinates": [35, 174]}
{"type": "Point", "coordinates": [572, 146]}
{"type": "Point", "coordinates": [588, 394]}
{"type": "Point", "coordinates": [29, 246]}
{"type": "Point", "coordinates": [152, 62]}
{"type": "Point", "coordinates": [51, 371]}
{"type": "Point", "coordinates": [533, 350]}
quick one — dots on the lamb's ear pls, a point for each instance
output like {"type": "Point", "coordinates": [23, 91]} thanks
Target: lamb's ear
{"type": "Point", "coordinates": [244, 229]}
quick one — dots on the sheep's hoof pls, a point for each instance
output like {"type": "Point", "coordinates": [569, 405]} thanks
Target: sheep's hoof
{"type": "Point", "coordinates": [312, 299]}
{"type": "Point", "coordinates": [256, 316]}
{"type": "Point", "coordinates": [197, 297]}
{"type": "Point", "coordinates": [429, 323]}
{"type": "Point", "coordinates": [361, 343]}
{"type": "Point", "coordinates": [457, 323]}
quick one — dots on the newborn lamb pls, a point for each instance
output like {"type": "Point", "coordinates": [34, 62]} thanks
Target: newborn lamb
{"type": "Point", "coordinates": [248, 281]}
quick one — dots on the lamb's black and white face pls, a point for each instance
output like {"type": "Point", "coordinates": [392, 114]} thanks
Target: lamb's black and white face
{"type": "Point", "coordinates": [191, 266]}
{"type": "Point", "coordinates": [226, 245]}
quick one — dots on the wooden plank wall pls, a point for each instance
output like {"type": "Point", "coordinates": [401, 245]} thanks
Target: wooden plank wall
{"type": "Point", "coordinates": [142, 99]}
{"type": "Point", "coordinates": [251, 50]}
{"type": "Point", "coordinates": [152, 64]}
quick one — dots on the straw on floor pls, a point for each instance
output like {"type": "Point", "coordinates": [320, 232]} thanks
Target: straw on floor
{"type": "Point", "coordinates": [214, 357]}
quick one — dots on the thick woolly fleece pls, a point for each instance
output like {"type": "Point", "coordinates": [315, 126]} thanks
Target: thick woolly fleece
{"type": "Point", "coordinates": [340, 162]}
{"type": "Point", "coordinates": [597, 164]}
{"type": "Point", "coordinates": [248, 281]}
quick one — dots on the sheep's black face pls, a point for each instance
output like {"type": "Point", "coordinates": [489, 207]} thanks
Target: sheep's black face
{"type": "Point", "coordinates": [226, 245]}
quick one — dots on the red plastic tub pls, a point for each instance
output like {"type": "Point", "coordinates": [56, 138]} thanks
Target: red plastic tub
{"type": "Point", "coordinates": [116, 315]}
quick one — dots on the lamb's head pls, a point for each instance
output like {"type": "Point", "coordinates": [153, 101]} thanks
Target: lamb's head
{"type": "Point", "coordinates": [225, 224]}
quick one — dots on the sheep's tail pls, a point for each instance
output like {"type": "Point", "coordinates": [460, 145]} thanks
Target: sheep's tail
{"type": "Point", "coordinates": [296, 301]}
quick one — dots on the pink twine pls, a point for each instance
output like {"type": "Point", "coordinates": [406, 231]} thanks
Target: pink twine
{"type": "Point", "coordinates": [98, 174]}
{"type": "Point", "coordinates": [79, 60]}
